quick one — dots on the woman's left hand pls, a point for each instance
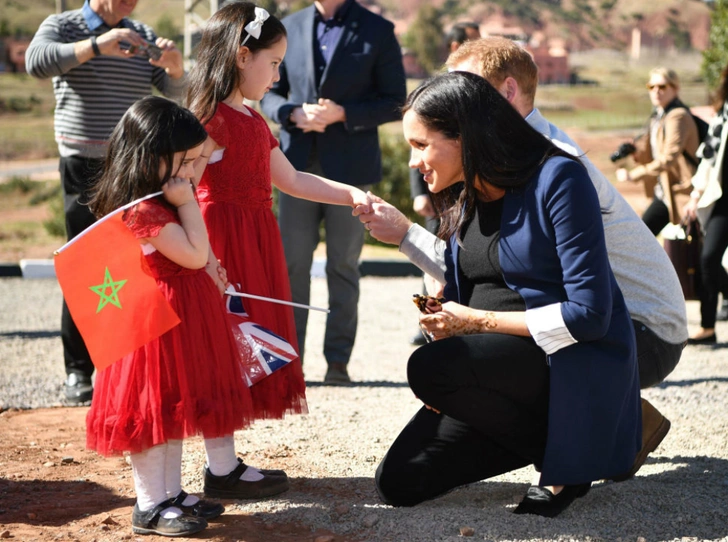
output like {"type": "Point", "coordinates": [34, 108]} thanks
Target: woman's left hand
{"type": "Point", "coordinates": [453, 319]}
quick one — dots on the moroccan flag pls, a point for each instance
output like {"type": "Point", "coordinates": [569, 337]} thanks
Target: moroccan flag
{"type": "Point", "coordinates": [114, 301]}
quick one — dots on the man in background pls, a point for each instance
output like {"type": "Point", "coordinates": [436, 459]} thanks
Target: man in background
{"type": "Point", "coordinates": [101, 63]}
{"type": "Point", "coordinates": [341, 78]}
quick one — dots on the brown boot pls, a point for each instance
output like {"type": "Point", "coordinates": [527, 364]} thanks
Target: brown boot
{"type": "Point", "coordinates": [654, 428]}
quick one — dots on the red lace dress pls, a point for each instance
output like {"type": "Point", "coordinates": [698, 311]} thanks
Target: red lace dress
{"type": "Point", "coordinates": [186, 382]}
{"type": "Point", "coordinates": [235, 196]}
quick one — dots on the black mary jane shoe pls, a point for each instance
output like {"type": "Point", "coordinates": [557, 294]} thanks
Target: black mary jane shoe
{"type": "Point", "coordinates": [201, 509]}
{"type": "Point", "coordinates": [152, 522]}
{"type": "Point", "coordinates": [230, 486]}
{"type": "Point", "coordinates": [541, 502]}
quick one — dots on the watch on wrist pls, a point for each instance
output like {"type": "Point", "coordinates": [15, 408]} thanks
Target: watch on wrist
{"type": "Point", "coordinates": [95, 46]}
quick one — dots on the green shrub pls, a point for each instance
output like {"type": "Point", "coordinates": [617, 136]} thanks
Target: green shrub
{"type": "Point", "coordinates": [18, 184]}
{"type": "Point", "coordinates": [56, 224]}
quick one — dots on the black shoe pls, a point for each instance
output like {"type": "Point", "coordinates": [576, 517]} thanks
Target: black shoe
{"type": "Point", "coordinates": [541, 502]}
{"type": "Point", "coordinates": [152, 522]}
{"type": "Point", "coordinates": [337, 375]}
{"type": "Point", "coordinates": [722, 314]}
{"type": "Point", "coordinates": [708, 339]}
{"type": "Point", "coordinates": [418, 339]}
{"type": "Point", "coordinates": [78, 388]}
{"type": "Point", "coordinates": [201, 509]}
{"type": "Point", "coordinates": [231, 486]}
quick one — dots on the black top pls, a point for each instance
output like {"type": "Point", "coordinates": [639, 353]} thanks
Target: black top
{"type": "Point", "coordinates": [480, 264]}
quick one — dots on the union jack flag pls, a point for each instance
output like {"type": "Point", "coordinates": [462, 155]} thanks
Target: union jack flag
{"type": "Point", "coordinates": [261, 351]}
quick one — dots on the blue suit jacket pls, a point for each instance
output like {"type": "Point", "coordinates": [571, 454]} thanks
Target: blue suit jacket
{"type": "Point", "coordinates": [552, 250]}
{"type": "Point", "coordinates": [365, 76]}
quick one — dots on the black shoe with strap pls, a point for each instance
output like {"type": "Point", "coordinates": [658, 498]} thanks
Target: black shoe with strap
{"type": "Point", "coordinates": [152, 522]}
{"type": "Point", "coordinates": [201, 509]}
{"type": "Point", "coordinates": [230, 486]}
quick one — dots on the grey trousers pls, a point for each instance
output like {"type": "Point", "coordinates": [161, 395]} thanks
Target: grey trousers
{"type": "Point", "coordinates": [299, 221]}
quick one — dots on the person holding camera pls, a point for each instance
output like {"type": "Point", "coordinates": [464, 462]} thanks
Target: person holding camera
{"type": "Point", "coordinates": [101, 63]}
{"type": "Point", "coordinates": [665, 154]}
{"type": "Point", "coordinates": [709, 204]}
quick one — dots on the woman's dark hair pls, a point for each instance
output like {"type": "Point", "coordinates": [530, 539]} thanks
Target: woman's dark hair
{"type": "Point", "coordinates": [498, 145]}
{"type": "Point", "coordinates": [146, 138]}
{"type": "Point", "coordinates": [215, 74]}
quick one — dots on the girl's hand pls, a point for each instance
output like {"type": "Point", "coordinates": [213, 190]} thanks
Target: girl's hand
{"type": "Point", "coordinates": [361, 202]}
{"type": "Point", "coordinates": [454, 319]}
{"type": "Point", "coordinates": [178, 191]}
{"type": "Point", "coordinates": [218, 274]}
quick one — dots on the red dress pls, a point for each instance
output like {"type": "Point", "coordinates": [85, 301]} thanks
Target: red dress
{"type": "Point", "coordinates": [186, 382]}
{"type": "Point", "coordinates": [235, 196]}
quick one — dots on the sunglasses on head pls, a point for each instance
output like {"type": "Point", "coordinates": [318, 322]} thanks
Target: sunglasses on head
{"type": "Point", "coordinates": [661, 87]}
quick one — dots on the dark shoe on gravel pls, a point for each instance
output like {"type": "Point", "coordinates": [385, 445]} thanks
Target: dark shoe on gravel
{"type": "Point", "coordinates": [201, 509]}
{"type": "Point", "coordinates": [230, 486]}
{"type": "Point", "coordinates": [78, 388]}
{"type": "Point", "coordinates": [152, 522]}
{"type": "Point", "coordinates": [541, 502]}
{"type": "Point", "coordinates": [337, 375]}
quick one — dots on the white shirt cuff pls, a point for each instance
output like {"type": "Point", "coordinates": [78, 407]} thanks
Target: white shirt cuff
{"type": "Point", "coordinates": [548, 329]}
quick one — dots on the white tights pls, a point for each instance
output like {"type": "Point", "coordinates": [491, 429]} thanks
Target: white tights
{"type": "Point", "coordinates": [221, 459]}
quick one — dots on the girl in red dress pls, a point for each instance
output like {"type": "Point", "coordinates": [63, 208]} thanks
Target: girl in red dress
{"type": "Point", "coordinates": [238, 58]}
{"type": "Point", "coordinates": [186, 382]}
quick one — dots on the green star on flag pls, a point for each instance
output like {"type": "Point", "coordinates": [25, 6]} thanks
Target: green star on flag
{"type": "Point", "coordinates": [113, 297]}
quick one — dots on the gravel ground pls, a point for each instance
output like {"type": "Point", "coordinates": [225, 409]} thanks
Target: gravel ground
{"type": "Point", "coordinates": [680, 493]}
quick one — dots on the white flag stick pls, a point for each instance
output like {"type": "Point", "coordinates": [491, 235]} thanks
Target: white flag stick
{"type": "Point", "coordinates": [273, 300]}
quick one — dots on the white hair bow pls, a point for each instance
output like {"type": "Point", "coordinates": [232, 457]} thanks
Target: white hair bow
{"type": "Point", "coordinates": [254, 27]}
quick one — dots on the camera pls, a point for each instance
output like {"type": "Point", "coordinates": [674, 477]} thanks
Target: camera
{"type": "Point", "coordinates": [146, 49]}
{"type": "Point", "coordinates": [624, 150]}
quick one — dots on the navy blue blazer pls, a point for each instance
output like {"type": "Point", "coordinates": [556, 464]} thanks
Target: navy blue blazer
{"type": "Point", "coordinates": [551, 251]}
{"type": "Point", "coordinates": [365, 76]}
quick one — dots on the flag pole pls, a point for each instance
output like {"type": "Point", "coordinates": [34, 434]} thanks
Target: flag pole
{"type": "Point", "coordinates": [104, 219]}
{"type": "Point", "coordinates": [273, 300]}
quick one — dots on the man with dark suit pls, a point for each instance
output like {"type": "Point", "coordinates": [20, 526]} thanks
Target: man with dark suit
{"type": "Point", "coordinates": [341, 78]}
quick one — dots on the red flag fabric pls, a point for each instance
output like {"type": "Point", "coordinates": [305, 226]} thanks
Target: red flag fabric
{"type": "Point", "coordinates": [115, 303]}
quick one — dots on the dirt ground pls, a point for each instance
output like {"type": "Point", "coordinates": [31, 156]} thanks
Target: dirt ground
{"type": "Point", "coordinates": [52, 488]}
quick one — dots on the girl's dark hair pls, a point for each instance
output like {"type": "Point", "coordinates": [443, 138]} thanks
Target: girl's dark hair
{"type": "Point", "coordinates": [215, 74]}
{"type": "Point", "coordinates": [147, 137]}
{"type": "Point", "coordinates": [498, 145]}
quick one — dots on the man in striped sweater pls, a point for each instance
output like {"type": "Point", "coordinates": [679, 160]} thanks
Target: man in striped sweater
{"type": "Point", "coordinates": [101, 63]}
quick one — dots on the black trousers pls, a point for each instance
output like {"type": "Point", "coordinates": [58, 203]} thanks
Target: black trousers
{"type": "Point", "coordinates": [656, 216]}
{"type": "Point", "coordinates": [655, 358]}
{"type": "Point", "coordinates": [493, 392]}
{"type": "Point", "coordinates": [78, 176]}
{"type": "Point", "coordinates": [713, 274]}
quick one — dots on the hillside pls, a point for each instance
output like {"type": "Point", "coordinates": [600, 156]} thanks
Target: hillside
{"type": "Point", "coordinates": [581, 24]}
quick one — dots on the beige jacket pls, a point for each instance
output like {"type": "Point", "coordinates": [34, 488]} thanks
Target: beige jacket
{"type": "Point", "coordinates": [676, 132]}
